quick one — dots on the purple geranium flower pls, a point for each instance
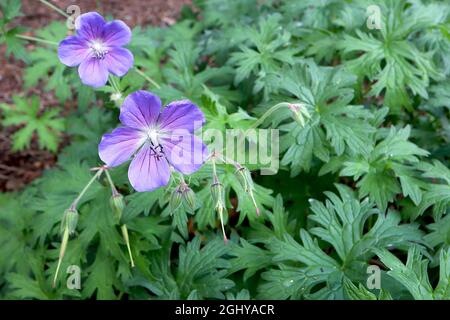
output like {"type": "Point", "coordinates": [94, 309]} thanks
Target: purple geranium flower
{"type": "Point", "coordinates": [97, 49]}
{"type": "Point", "coordinates": [156, 138]}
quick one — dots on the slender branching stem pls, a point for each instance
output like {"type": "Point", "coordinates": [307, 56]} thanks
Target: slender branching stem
{"type": "Point", "coordinates": [111, 183]}
{"type": "Point", "coordinates": [97, 175]}
{"type": "Point", "coordinates": [146, 77]}
{"type": "Point", "coordinates": [30, 38]}
{"type": "Point", "coordinates": [53, 7]}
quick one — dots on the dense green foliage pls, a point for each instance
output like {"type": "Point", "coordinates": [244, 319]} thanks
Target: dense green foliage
{"type": "Point", "coordinates": [364, 176]}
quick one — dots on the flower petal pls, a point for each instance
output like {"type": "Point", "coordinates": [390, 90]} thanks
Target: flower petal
{"type": "Point", "coordinates": [73, 50]}
{"type": "Point", "coordinates": [93, 72]}
{"type": "Point", "coordinates": [116, 33]}
{"type": "Point", "coordinates": [147, 171]}
{"type": "Point", "coordinates": [117, 147]}
{"type": "Point", "coordinates": [119, 61]}
{"type": "Point", "coordinates": [140, 110]}
{"type": "Point", "coordinates": [181, 114]}
{"type": "Point", "coordinates": [90, 25]}
{"type": "Point", "coordinates": [185, 152]}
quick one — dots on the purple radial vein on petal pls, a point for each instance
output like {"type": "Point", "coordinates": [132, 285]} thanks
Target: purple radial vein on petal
{"type": "Point", "coordinates": [140, 110]}
{"type": "Point", "coordinates": [116, 33]}
{"type": "Point", "coordinates": [93, 72]}
{"type": "Point", "coordinates": [90, 25]}
{"type": "Point", "coordinates": [119, 61]}
{"type": "Point", "coordinates": [186, 153]}
{"type": "Point", "coordinates": [117, 147]}
{"type": "Point", "coordinates": [181, 114]}
{"type": "Point", "coordinates": [147, 171]}
{"type": "Point", "coordinates": [73, 50]}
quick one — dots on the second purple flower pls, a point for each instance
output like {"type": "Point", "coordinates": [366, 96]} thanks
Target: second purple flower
{"type": "Point", "coordinates": [156, 139]}
{"type": "Point", "coordinates": [97, 49]}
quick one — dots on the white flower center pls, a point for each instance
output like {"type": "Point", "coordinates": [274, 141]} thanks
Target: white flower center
{"type": "Point", "coordinates": [98, 49]}
{"type": "Point", "coordinates": [152, 136]}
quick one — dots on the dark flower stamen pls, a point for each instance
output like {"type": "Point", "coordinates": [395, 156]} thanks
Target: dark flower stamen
{"type": "Point", "coordinates": [98, 50]}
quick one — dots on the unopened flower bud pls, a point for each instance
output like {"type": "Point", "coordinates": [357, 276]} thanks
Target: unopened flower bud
{"type": "Point", "coordinates": [299, 111]}
{"type": "Point", "coordinates": [175, 199]}
{"type": "Point", "coordinates": [70, 221]}
{"type": "Point", "coordinates": [218, 196]}
{"type": "Point", "coordinates": [244, 177]}
{"type": "Point", "coordinates": [182, 194]}
{"type": "Point", "coordinates": [217, 193]}
{"type": "Point", "coordinates": [189, 198]}
{"type": "Point", "coordinates": [117, 205]}
{"type": "Point", "coordinates": [220, 210]}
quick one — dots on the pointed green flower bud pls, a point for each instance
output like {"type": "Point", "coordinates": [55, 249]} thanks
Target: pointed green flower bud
{"type": "Point", "coordinates": [220, 210]}
{"type": "Point", "coordinates": [218, 197]}
{"type": "Point", "coordinates": [244, 177]}
{"type": "Point", "coordinates": [126, 238]}
{"type": "Point", "coordinates": [299, 111]}
{"type": "Point", "coordinates": [117, 205]}
{"type": "Point", "coordinates": [182, 194]}
{"type": "Point", "coordinates": [69, 221]}
{"type": "Point", "coordinates": [189, 198]}
{"type": "Point", "coordinates": [175, 199]}
{"type": "Point", "coordinates": [217, 193]}
{"type": "Point", "coordinates": [62, 251]}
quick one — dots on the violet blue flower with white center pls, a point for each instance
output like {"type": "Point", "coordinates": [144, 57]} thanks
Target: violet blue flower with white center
{"type": "Point", "coordinates": [156, 139]}
{"type": "Point", "coordinates": [97, 49]}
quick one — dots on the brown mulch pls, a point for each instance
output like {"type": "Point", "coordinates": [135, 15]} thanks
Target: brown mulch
{"type": "Point", "coordinates": [17, 169]}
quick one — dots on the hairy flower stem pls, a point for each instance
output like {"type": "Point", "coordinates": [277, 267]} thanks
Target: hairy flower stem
{"type": "Point", "coordinates": [97, 175]}
{"type": "Point", "coordinates": [213, 163]}
{"type": "Point", "coordinates": [274, 108]}
{"type": "Point", "coordinates": [261, 120]}
{"type": "Point", "coordinates": [111, 183]}
{"type": "Point", "coordinates": [30, 38]}
{"type": "Point", "coordinates": [53, 7]}
{"type": "Point", "coordinates": [123, 227]}
{"type": "Point", "coordinates": [153, 82]}
{"type": "Point", "coordinates": [114, 84]}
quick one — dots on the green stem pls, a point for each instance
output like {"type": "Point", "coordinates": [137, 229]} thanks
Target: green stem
{"type": "Point", "coordinates": [261, 120]}
{"type": "Point", "coordinates": [75, 202]}
{"type": "Point", "coordinates": [147, 78]}
{"type": "Point", "coordinates": [114, 84]}
{"type": "Point", "coordinates": [268, 113]}
{"type": "Point", "coordinates": [111, 183]}
{"type": "Point", "coordinates": [52, 6]}
{"type": "Point", "coordinates": [213, 162]}
{"type": "Point", "coordinates": [30, 38]}
{"type": "Point", "coordinates": [227, 160]}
